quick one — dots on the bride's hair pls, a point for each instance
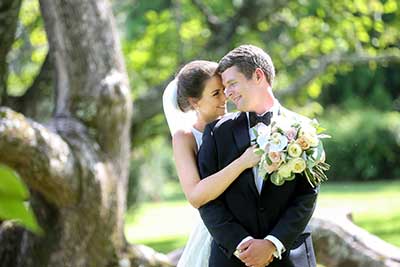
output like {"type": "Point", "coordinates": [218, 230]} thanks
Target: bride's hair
{"type": "Point", "coordinates": [191, 81]}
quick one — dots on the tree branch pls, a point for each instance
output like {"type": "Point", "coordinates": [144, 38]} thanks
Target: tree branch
{"type": "Point", "coordinates": [249, 13]}
{"type": "Point", "coordinates": [41, 157]}
{"type": "Point", "coordinates": [214, 23]}
{"type": "Point", "coordinates": [388, 56]}
{"type": "Point", "coordinates": [149, 105]}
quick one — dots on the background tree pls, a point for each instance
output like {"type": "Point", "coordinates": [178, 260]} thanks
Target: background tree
{"type": "Point", "coordinates": [76, 166]}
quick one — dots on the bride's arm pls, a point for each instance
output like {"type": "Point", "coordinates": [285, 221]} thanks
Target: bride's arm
{"type": "Point", "coordinates": [199, 192]}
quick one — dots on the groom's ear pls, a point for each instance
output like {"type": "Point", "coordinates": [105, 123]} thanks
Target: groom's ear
{"type": "Point", "coordinates": [259, 74]}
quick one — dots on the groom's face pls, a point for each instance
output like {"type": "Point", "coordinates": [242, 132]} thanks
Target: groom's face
{"type": "Point", "coordinates": [240, 90]}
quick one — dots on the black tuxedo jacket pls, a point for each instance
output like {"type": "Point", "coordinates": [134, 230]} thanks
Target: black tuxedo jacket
{"type": "Point", "coordinates": [281, 211]}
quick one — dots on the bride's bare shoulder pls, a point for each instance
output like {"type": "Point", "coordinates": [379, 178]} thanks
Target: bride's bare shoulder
{"type": "Point", "coordinates": [183, 137]}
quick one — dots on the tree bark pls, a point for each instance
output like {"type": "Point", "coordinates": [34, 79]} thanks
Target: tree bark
{"type": "Point", "coordinates": [76, 167]}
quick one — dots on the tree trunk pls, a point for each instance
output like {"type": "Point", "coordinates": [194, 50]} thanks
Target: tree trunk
{"type": "Point", "coordinates": [77, 166]}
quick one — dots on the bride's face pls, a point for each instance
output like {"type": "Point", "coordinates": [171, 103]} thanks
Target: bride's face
{"type": "Point", "coordinates": [212, 103]}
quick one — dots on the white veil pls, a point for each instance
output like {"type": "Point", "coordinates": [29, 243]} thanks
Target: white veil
{"type": "Point", "coordinates": [176, 119]}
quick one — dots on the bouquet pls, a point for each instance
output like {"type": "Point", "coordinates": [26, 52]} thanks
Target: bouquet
{"type": "Point", "coordinates": [289, 147]}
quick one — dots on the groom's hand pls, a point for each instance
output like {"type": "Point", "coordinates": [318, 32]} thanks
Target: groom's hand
{"type": "Point", "coordinates": [257, 252]}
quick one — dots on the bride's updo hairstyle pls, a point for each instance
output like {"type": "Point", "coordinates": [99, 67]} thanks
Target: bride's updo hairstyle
{"type": "Point", "coordinates": [191, 81]}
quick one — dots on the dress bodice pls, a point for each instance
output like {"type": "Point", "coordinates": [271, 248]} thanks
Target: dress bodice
{"type": "Point", "coordinates": [198, 247]}
{"type": "Point", "coordinates": [198, 136]}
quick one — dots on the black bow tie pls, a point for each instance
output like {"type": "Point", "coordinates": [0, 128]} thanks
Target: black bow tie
{"type": "Point", "coordinates": [254, 118]}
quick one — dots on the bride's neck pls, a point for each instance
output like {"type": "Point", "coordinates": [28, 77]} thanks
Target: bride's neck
{"type": "Point", "coordinates": [202, 122]}
{"type": "Point", "coordinates": [200, 125]}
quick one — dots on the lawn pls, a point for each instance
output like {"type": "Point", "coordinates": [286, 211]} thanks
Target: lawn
{"type": "Point", "coordinates": [165, 225]}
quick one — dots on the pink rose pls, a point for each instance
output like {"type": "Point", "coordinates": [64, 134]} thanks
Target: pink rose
{"type": "Point", "coordinates": [291, 134]}
{"type": "Point", "coordinates": [303, 142]}
{"type": "Point", "coordinates": [275, 157]}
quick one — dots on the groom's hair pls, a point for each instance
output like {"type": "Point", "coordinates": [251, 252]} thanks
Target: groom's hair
{"type": "Point", "coordinates": [247, 58]}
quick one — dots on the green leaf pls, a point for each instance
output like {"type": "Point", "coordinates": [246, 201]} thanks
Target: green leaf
{"type": "Point", "coordinates": [15, 209]}
{"type": "Point", "coordinates": [258, 151]}
{"type": "Point", "coordinates": [291, 177]}
{"type": "Point", "coordinates": [269, 161]}
{"type": "Point", "coordinates": [11, 185]}
{"type": "Point", "coordinates": [310, 163]}
{"type": "Point", "coordinates": [277, 179]}
{"type": "Point", "coordinates": [320, 151]}
{"type": "Point", "coordinates": [13, 193]}
{"type": "Point", "coordinates": [255, 133]}
{"type": "Point", "coordinates": [320, 129]}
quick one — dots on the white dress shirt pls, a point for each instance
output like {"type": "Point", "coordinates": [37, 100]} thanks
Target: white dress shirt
{"type": "Point", "coordinates": [259, 182]}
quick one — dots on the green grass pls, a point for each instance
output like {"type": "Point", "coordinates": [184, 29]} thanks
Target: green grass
{"type": "Point", "coordinates": [375, 206]}
{"type": "Point", "coordinates": [165, 226]}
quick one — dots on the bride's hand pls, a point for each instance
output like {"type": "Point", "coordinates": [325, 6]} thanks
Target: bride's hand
{"type": "Point", "coordinates": [249, 158]}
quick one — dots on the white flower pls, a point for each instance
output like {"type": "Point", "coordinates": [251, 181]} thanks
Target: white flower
{"type": "Point", "coordinates": [294, 150]}
{"type": "Point", "coordinates": [312, 139]}
{"type": "Point", "coordinates": [278, 142]}
{"type": "Point", "coordinates": [285, 170]}
{"type": "Point", "coordinates": [262, 141]}
{"type": "Point", "coordinates": [263, 129]}
{"type": "Point", "coordinates": [306, 128]}
{"type": "Point", "coordinates": [283, 123]}
{"type": "Point", "coordinates": [298, 165]}
{"type": "Point", "coordinates": [263, 133]}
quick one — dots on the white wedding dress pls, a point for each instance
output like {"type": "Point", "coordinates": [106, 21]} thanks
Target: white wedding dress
{"type": "Point", "coordinates": [198, 247]}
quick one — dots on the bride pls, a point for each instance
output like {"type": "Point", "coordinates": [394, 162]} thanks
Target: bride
{"type": "Point", "coordinates": [191, 101]}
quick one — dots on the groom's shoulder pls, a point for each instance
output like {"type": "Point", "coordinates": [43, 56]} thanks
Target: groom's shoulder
{"type": "Point", "coordinates": [293, 115]}
{"type": "Point", "coordinates": [225, 121]}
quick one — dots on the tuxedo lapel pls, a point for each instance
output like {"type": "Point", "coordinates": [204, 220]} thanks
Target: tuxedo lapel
{"type": "Point", "coordinates": [242, 139]}
{"type": "Point", "coordinates": [241, 132]}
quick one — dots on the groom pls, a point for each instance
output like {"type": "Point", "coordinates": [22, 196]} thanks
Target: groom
{"type": "Point", "coordinates": [254, 222]}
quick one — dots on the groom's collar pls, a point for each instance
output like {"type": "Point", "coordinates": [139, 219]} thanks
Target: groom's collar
{"type": "Point", "coordinates": [275, 109]}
